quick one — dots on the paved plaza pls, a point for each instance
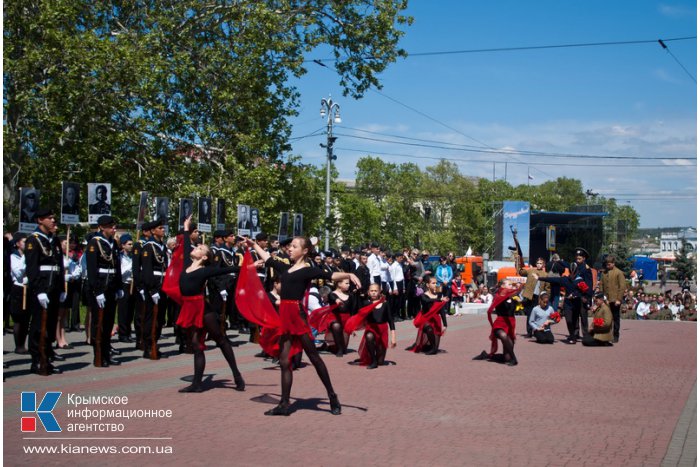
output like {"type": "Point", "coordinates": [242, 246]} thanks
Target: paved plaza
{"type": "Point", "coordinates": [563, 405]}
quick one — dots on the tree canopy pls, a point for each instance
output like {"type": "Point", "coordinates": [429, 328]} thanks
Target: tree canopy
{"type": "Point", "coordinates": [176, 97]}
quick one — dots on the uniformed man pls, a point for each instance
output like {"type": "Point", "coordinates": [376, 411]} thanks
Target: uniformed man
{"type": "Point", "coordinates": [105, 278]}
{"type": "Point", "coordinates": [230, 256]}
{"type": "Point", "coordinates": [44, 262]}
{"type": "Point", "coordinates": [136, 285]}
{"type": "Point", "coordinates": [219, 287]}
{"type": "Point", "coordinates": [154, 262]}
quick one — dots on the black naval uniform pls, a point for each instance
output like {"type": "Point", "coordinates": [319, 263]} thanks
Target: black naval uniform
{"type": "Point", "coordinates": [45, 276]}
{"type": "Point", "coordinates": [154, 262]}
{"type": "Point", "coordinates": [218, 284]}
{"type": "Point", "coordinates": [105, 278]}
{"type": "Point", "coordinates": [137, 287]}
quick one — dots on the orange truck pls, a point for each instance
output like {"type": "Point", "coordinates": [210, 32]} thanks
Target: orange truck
{"type": "Point", "coordinates": [473, 266]}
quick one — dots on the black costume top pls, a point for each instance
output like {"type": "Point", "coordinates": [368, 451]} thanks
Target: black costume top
{"type": "Point", "coordinates": [192, 283]}
{"type": "Point", "coordinates": [506, 308]}
{"type": "Point", "coordinates": [347, 306]}
{"type": "Point", "coordinates": [294, 284]}
{"type": "Point", "coordinates": [380, 315]}
{"type": "Point", "coordinates": [427, 304]}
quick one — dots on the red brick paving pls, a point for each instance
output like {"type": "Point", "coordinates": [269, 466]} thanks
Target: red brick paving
{"type": "Point", "coordinates": [562, 405]}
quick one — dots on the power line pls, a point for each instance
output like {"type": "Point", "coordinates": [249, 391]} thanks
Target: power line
{"type": "Point", "coordinates": [677, 61]}
{"type": "Point", "coordinates": [477, 161]}
{"type": "Point", "coordinates": [515, 152]}
{"type": "Point", "coordinates": [532, 47]}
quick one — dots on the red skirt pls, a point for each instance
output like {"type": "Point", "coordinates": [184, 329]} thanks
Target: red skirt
{"type": "Point", "coordinates": [507, 323]}
{"type": "Point", "coordinates": [192, 312]}
{"type": "Point", "coordinates": [422, 342]}
{"type": "Point", "coordinates": [381, 337]}
{"type": "Point", "coordinates": [293, 322]}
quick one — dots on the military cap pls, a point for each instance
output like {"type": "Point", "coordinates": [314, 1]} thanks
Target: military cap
{"type": "Point", "coordinates": [582, 252]}
{"type": "Point", "coordinates": [44, 212]}
{"type": "Point", "coordinates": [106, 220]}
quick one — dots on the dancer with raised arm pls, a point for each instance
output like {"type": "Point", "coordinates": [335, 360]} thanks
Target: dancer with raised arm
{"type": "Point", "coordinates": [293, 331]}
{"type": "Point", "coordinates": [196, 312]}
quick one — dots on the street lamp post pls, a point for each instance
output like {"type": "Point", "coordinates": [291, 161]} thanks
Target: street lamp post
{"type": "Point", "coordinates": [331, 110]}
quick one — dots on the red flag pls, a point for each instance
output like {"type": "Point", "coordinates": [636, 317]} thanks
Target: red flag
{"type": "Point", "coordinates": [171, 282]}
{"type": "Point", "coordinates": [251, 298]}
{"type": "Point", "coordinates": [357, 320]}
{"type": "Point", "coordinates": [322, 317]}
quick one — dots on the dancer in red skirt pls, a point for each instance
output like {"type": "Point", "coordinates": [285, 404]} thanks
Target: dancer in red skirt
{"type": "Point", "coordinates": [294, 331]}
{"type": "Point", "coordinates": [196, 313]}
{"type": "Point", "coordinates": [431, 321]}
{"type": "Point", "coordinates": [503, 328]}
{"type": "Point", "coordinates": [377, 320]}
{"type": "Point", "coordinates": [346, 306]}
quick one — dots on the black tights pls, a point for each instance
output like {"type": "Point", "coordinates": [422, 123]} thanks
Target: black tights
{"type": "Point", "coordinates": [212, 326]}
{"type": "Point", "coordinates": [433, 339]}
{"type": "Point", "coordinates": [340, 338]}
{"type": "Point", "coordinates": [311, 352]}
{"type": "Point", "coordinates": [508, 346]}
{"type": "Point", "coordinates": [377, 353]}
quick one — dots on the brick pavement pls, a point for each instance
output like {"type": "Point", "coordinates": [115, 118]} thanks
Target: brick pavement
{"type": "Point", "coordinates": [633, 404]}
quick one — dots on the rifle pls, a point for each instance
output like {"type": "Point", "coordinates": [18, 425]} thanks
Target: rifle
{"type": "Point", "coordinates": [98, 336]}
{"type": "Point", "coordinates": [43, 358]}
{"type": "Point", "coordinates": [154, 324]}
{"type": "Point", "coordinates": [519, 263]}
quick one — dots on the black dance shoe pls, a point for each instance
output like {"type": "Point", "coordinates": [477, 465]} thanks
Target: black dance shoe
{"type": "Point", "coordinates": [433, 351]}
{"type": "Point", "coordinates": [191, 388]}
{"type": "Point", "coordinates": [482, 356]}
{"type": "Point", "coordinates": [411, 347]}
{"type": "Point", "coordinates": [335, 404]}
{"type": "Point", "coordinates": [372, 366]}
{"type": "Point", "coordinates": [279, 410]}
{"type": "Point", "coordinates": [512, 362]}
{"type": "Point", "coordinates": [240, 383]}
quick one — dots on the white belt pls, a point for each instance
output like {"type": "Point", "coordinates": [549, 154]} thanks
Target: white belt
{"type": "Point", "coordinates": [158, 273]}
{"type": "Point", "coordinates": [105, 271]}
{"type": "Point", "coordinates": [49, 268]}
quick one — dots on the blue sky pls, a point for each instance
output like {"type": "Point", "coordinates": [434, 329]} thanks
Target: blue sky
{"type": "Point", "coordinates": [615, 100]}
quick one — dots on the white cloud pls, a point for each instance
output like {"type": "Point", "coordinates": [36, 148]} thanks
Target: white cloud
{"type": "Point", "coordinates": [675, 11]}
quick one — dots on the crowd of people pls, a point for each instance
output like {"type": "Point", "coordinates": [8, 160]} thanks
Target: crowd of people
{"type": "Point", "coordinates": [318, 298]}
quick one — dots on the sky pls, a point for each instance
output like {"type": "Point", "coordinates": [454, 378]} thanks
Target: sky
{"type": "Point", "coordinates": [612, 110]}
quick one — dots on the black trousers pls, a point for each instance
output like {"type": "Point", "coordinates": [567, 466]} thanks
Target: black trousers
{"type": "Point", "coordinates": [20, 316]}
{"type": "Point", "coordinates": [412, 301]}
{"type": "Point", "coordinates": [139, 317]}
{"type": "Point", "coordinates": [125, 312]}
{"type": "Point", "coordinates": [42, 329]}
{"type": "Point", "coordinates": [73, 304]}
{"type": "Point", "coordinates": [575, 312]}
{"type": "Point", "coordinates": [616, 319]}
{"type": "Point", "coordinates": [101, 324]}
{"type": "Point", "coordinates": [544, 337]}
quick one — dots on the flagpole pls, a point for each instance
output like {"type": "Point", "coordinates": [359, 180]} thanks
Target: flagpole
{"type": "Point", "coordinates": [528, 175]}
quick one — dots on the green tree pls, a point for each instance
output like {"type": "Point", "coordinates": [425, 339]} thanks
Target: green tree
{"type": "Point", "coordinates": [179, 96]}
{"type": "Point", "coordinates": [685, 262]}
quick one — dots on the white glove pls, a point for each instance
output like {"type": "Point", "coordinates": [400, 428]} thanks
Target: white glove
{"type": "Point", "coordinates": [143, 295]}
{"type": "Point", "coordinates": [67, 277]}
{"type": "Point", "coordinates": [101, 300]}
{"type": "Point", "coordinates": [224, 295]}
{"type": "Point", "coordinates": [43, 300]}
{"type": "Point", "coordinates": [25, 281]}
{"type": "Point", "coordinates": [63, 296]}
{"type": "Point", "coordinates": [155, 297]}
{"type": "Point", "coordinates": [119, 295]}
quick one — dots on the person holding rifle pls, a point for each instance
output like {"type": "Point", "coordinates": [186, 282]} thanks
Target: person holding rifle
{"type": "Point", "coordinates": [45, 279]}
{"type": "Point", "coordinates": [105, 280]}
{"type": "Point", "coordinates": [154, 262]}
